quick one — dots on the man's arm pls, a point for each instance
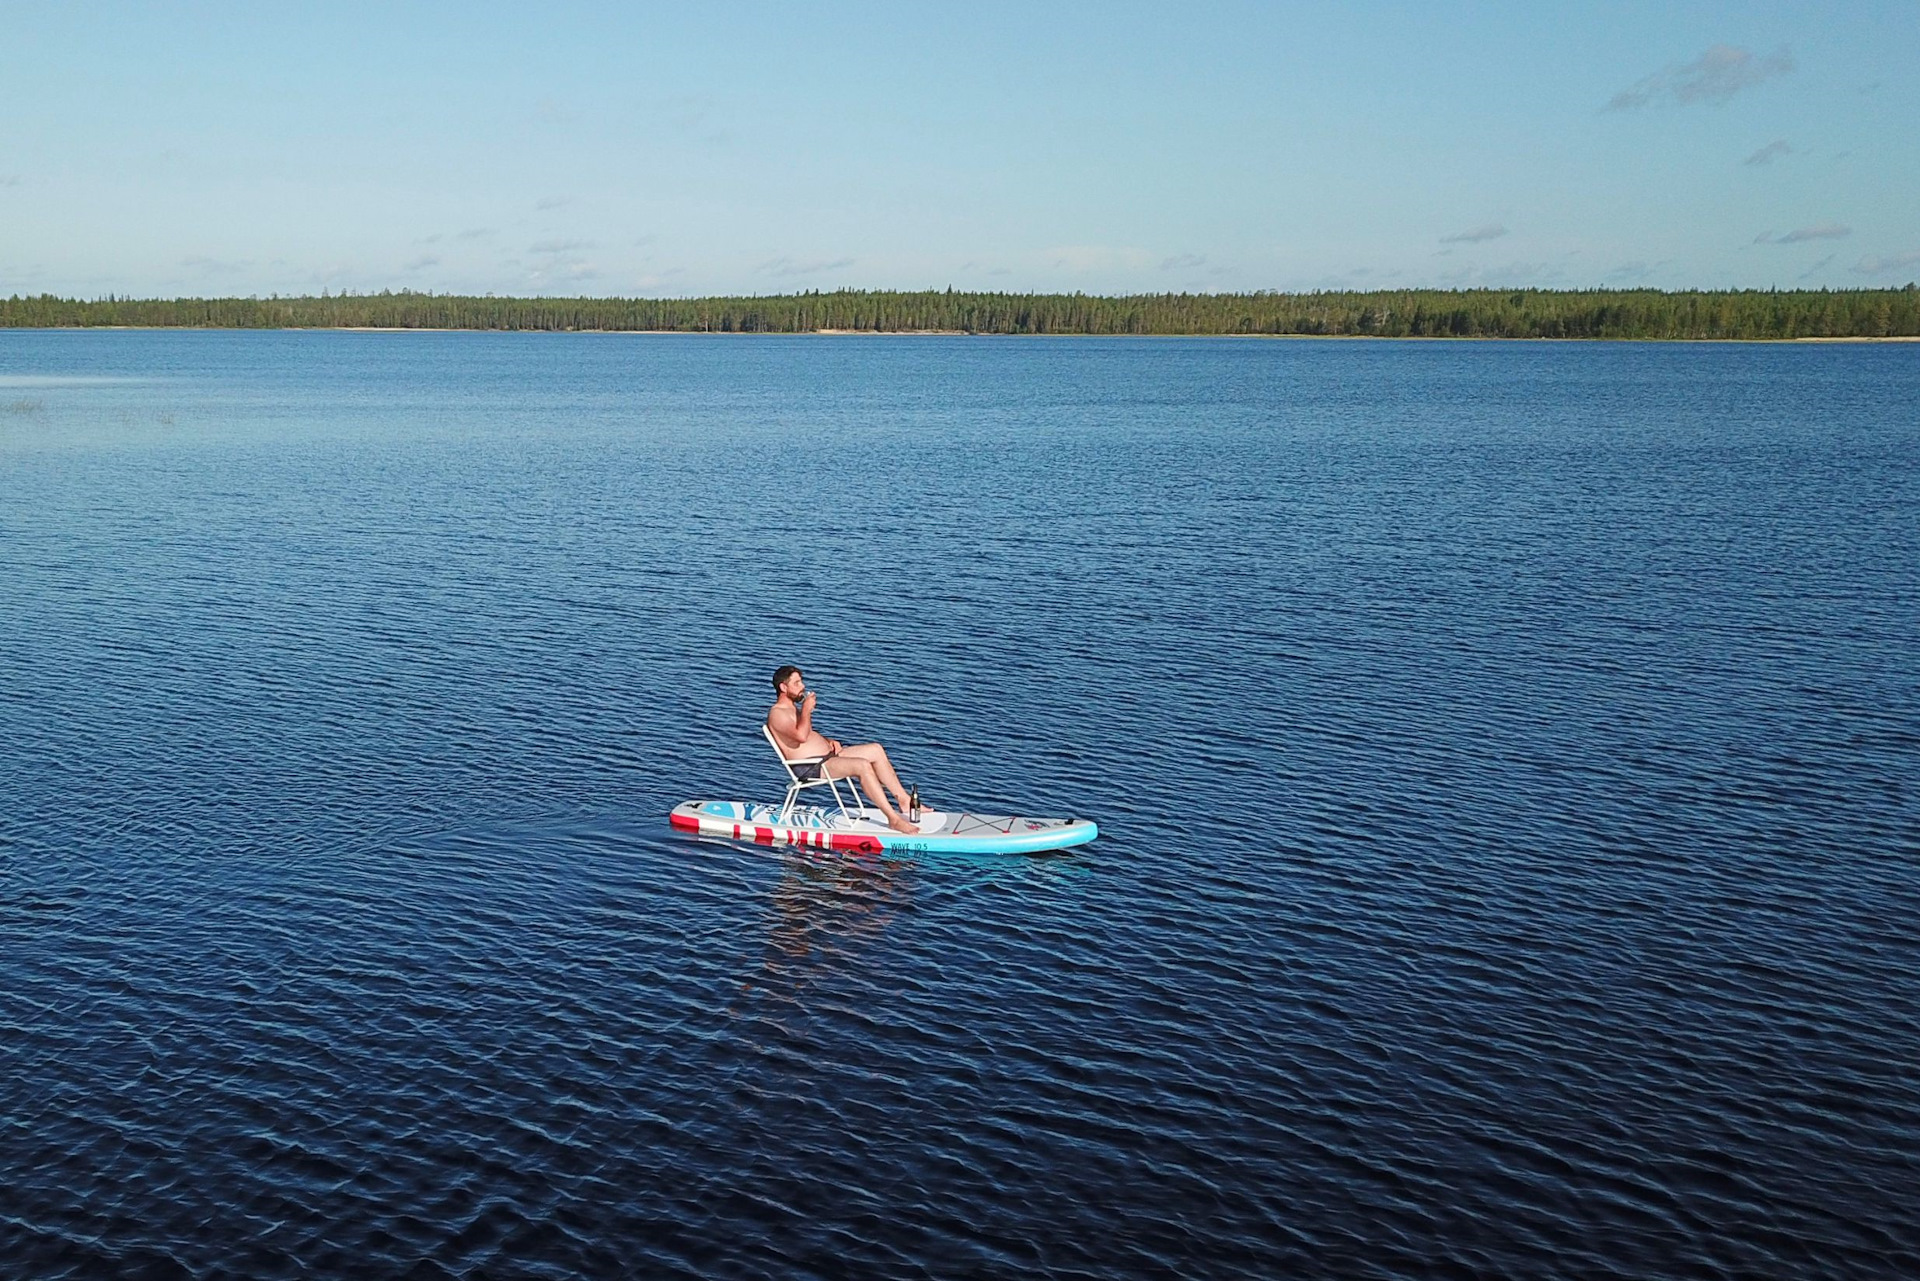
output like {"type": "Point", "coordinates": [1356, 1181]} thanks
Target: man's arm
{"type": "Point", "coordinates": [794, 725]}
{"type": "Point", "coordinates": [789, 725]}
{"type": "Point", "coordinates": [804, 725]}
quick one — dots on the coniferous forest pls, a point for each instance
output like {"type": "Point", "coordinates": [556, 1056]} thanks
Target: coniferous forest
{"type": "Point", "coordinates": [1413, 313]}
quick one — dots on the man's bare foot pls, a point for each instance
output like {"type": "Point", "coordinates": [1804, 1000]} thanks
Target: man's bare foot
{"type": "Point", "coordinates": [901, 825]}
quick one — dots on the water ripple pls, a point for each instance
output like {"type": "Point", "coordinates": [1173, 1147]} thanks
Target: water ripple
{"type": "Point", "coordinates": [349, 678]}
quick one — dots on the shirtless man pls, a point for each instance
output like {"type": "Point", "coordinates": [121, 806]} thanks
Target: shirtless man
{"type": "Point", "coordinates": [791, 720]}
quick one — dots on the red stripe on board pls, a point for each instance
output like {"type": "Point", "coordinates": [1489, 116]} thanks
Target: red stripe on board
{"type": "Point", "coordinates": [854, 842]}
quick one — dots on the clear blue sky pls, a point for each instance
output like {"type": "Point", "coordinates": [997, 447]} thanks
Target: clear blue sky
{"type": "Point", "coordinates": [626, 148]}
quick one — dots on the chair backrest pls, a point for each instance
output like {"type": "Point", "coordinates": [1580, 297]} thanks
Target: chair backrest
{"type": "Point", "coordinates": [766, 732]}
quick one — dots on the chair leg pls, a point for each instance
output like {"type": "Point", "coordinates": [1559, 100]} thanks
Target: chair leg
{"type": "Point", "coordinates": [859, 797]}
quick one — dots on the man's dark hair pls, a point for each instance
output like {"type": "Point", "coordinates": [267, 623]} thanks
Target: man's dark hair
{"type": "Point", "coordinates": [780, 675]}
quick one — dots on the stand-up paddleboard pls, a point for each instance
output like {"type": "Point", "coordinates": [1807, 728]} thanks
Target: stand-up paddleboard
{"type": "Point", "coordinates": [865, 831]}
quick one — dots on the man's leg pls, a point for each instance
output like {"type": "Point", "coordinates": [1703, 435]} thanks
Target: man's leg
{"type": "Point", "coordinates": [868, 776]}
{"type": "Point", "coordinates": [878, 755]}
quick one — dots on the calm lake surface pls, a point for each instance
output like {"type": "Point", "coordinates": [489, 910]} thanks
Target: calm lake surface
{"type": "Point", "coordinates": [1507, 758]}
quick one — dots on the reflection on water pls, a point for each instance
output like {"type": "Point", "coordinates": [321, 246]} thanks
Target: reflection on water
{"type": "Point", "coordinates": [825, 911]}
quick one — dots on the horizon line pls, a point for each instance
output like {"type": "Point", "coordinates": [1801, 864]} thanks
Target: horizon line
{"type": "Point", "coordinates": [940, 291]}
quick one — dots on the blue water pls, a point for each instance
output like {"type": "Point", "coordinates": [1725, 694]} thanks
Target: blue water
{"type": "Point", "coordinates": [1507, 759]}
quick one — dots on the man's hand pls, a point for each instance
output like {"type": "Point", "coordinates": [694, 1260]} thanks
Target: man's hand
{"type": "Point", "coordinates": [833, 747]}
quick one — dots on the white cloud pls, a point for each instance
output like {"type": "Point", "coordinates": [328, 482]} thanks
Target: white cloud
{"type": "Point", "coordinates": [1182, 262]}
{"type": "Point", "coordinates": [562, 271]}
{"type": "Point", "coordinates": [421, 263]}
{"type": "Point", "coordinates": [1098, 257]}
{"type": "Point", "coordinates": [1766, 154]}
{"type": "Point", "coordinates": [213, 266]}
{"type": "Point", "coordinates": [694, 118]}
{"type": "Point", "coordinates": [1714, 76]}
{"type": "Point", "coordinates": [557, 262]}
{"type": "Point", "coordinates": [553, 202]}
{"type": "Point", "coordinates": [788, 267]}
{"type": "Point", "coordinates": [1887, 265]}
{"type": "Point", "coordinates": [1475, 235]}
{"type": "Point", "coordinates": [1819, 231]}
{"type": "Point", "coordinates": [551, 112]}
{"type": "Point", "coordinates": [1512, 275]}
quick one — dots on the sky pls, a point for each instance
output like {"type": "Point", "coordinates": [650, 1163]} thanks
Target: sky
{"type": "Point", "coordinates": [660, 150]}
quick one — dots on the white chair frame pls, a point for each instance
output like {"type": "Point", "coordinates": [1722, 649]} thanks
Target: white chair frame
{"type": "Point", "coordinates": [796, 784]}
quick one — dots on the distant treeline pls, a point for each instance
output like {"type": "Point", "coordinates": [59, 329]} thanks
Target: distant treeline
{"type": "Point", "coordinates": [1412, 313]}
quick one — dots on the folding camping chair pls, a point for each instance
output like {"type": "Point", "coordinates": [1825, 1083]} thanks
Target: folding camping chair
{"type": "Point", "coordinates": [809, 771]}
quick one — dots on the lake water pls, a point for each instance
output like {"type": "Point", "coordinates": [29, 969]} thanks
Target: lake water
{"type": "Point", "coordinates": [1507, 759]}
